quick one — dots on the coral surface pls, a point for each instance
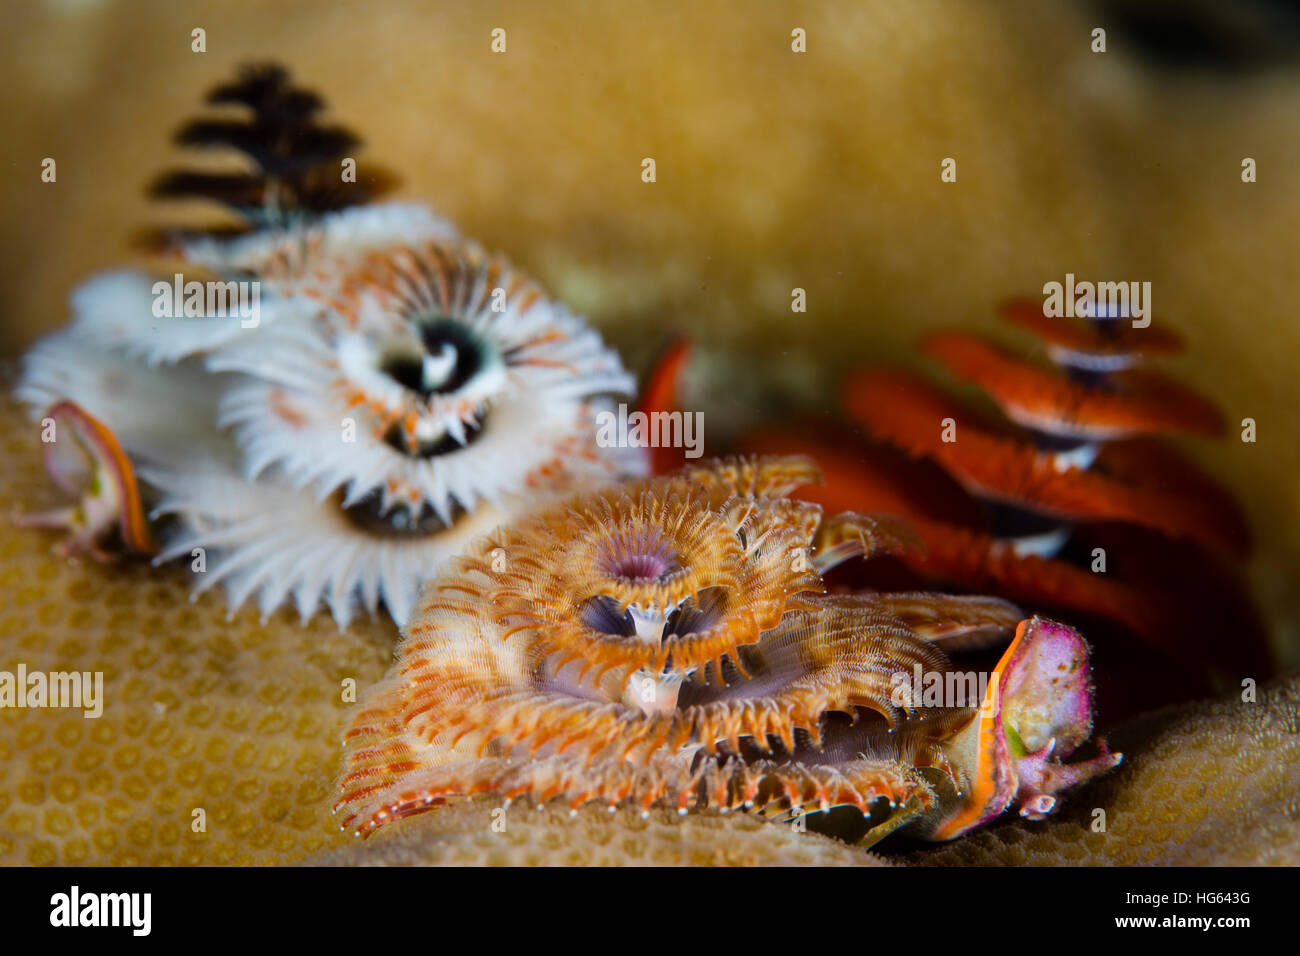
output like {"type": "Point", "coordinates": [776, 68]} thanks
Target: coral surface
{"type": "Point", "coordinates": [464, 834]}
{"type": "Point", "coordinates": [243, 720]}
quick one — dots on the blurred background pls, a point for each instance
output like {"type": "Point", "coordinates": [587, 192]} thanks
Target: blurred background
{"type": "Point", "coordinates": [775, 170]}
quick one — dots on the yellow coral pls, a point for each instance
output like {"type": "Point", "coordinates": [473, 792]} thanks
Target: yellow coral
{"type": "Point", "coordinates": [464, 834]}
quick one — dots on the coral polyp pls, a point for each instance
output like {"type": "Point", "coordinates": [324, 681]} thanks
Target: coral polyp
{"type": "Point", "coordinates": [671, 641]}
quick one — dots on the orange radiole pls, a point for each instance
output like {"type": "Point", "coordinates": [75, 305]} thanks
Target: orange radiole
{"type": "Point", "coordinates": [671, 641]}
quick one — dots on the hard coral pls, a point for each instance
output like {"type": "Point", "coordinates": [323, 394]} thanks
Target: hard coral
{"type": "Point", "coordinates": [232, 717]}
{"type": "Point", "coordinates": [479, 832]}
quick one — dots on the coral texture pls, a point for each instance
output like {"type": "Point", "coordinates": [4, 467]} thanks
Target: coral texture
{"type": "Point", "coordinates": [243, 719]}
{"type": "Point", "coordinates": [464, 835]}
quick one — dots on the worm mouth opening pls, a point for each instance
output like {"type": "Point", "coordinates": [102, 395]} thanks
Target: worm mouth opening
{"type": "Point", "coordinates": [640, 557]}
{"type": "Point", "coordinates": [643, 567]}
{"type": "Point", "coordinates": [398, 521]}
